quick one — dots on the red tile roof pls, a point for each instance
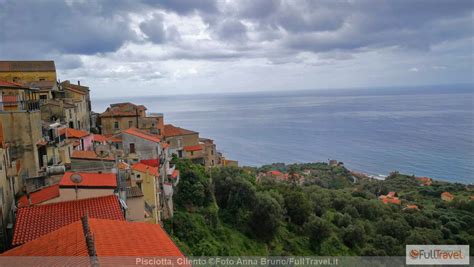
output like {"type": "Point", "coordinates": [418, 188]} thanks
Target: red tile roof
{"type": "Point", "coordinates": [123, 110]}
{"type": "Point", "coordinates": [35, 221]}
{"type": "Point", "coordinates": [145, 169]}
{"type": "Point", "coordinates": [392, 194]}
{"type": "Point", "coordinates": [12, 85]}
{"type": "Point", "coordinates": [171, 130]}
{"type": "Point", "coordinates": [40, 196]}
{"type": "Point", "coordinates": [275, 173]}
{"type": "Point", "coordinates": [193, 148]}
{"type": "Point", "coordinates": [90, 179]}
{"type": "Point", "coordinates": [89, 155]}
{"type": "Point", "coordinates": [99, 138]}
{"type": "Point", "coordinates": [110, 237]}
{"type": "Point", "coordinates": [142, 134]}
{"type": "Point", "coordinates": [74, 133]}
{"type": "Point", "coordinates": [151, 162]}
{"type": "Point", "coordinates": [175, 174]}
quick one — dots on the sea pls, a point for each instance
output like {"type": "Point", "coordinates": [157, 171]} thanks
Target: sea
{"type": "Point", "coordinates": [424, 131]}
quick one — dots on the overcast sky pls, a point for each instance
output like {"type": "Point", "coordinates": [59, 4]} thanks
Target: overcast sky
{"type": "Point", "coordinates": [146, 47]}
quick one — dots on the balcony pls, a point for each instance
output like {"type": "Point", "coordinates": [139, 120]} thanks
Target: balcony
{"type": "Point", "coordinates": [29, 105]}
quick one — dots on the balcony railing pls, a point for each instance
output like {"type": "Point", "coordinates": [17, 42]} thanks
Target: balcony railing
{"type": "Point", "coordinates": [28, 105]}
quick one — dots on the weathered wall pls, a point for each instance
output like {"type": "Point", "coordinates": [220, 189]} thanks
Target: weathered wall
{"type": "Point", "coordinates": [66, 194]}
{"type": "Point", "coordinates": [22, 130]}
{"type": "Point", "coordinates": [124, 123]}
{"type": "Point", "coordinates": [136, 209]}
{"type": "Point", "coordinates": [91, 165]}
{"type": "Point", "coordinates": [17, 76]}
{"type": "Point", "coordinates": [145, 149]}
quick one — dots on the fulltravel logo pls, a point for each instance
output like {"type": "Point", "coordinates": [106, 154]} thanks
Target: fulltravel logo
{"type": "Point", "coordinates": [437, 254]}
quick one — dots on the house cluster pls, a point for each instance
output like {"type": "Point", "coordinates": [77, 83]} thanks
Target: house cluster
{"type": "Point", "coordinates": [66, 171]}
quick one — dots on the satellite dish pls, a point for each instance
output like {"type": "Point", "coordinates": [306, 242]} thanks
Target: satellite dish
{"type": "Point", "coordinates": [76, 178]}
{"type": "Point", "coordinates": [102, 151]}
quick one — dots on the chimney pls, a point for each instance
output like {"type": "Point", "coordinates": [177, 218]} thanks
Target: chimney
{"type": "Point", "coordinates": [78, 82]}
{"type": "Point", "coordinates": [89, 238]}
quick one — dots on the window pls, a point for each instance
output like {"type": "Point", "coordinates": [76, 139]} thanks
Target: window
{"type": "Point", "coordinates": [42, 79]}
{"type": "Point", "coordinates": [132, 148]}
{"type": "Point", "coordinates": [130, 124]}
{"type": "Point", "coordinates": [212, 163]}
{"type": "Point", "coordinates": [212, 152]}
{"type": "Point", "coordinates": [192, 153]}
{"type": "Point", "coordinates": [43, 97]}
{"type": "Point", "coordinates": [116, 125]}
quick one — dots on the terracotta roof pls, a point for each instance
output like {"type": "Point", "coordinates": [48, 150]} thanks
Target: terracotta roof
{"type": "Point", "coordinates": [99, 138]}
{"type": "Point", "coordinates": [447, 195]}
{"type": "Point", "coordinates": [142, 134]}
{"type": "Point", "coordinates": [123, 110]}
{"type": "Point", "coordinates": [165, 145]}
{"type": "Point", "coordinates": [89, 155]}
{"type": "Point", "coordinates": [35, 221]}
{"type": "Point", "coordinates": [24, 66]}
{"type": "Point", "coordinates": [134, 191]}
{"type": "Point", "coordinates": [412, 207]}
{"type": "Point", "coordinates": [175, 174]}
{"type": "Point", "coordinates": [171, 130]}
{"type": "Point", "coordinates": [90, 179]}
{"type": "Point", "coordinates": [74, 133]}
{"type": "Point", "coordinates": [140, 167]}
{"type": "Point", "coordinates": [275, 173]}
{"type": "Point", "coordinates": [110, 237]}
{"type": "Point", "coordinates": [42, 195]}
{"type": "Point", "coordinates": [392, 194]}
{"type": "Point", "coordinates": [123, 166]}
{"type": "Point", "coordinates": [114, 139]}
{"type": "Point", "coordinates": [387, 199]}
{"type": "Point", "coordinates": [151, 162]}
{"type": "Point", "coordinates": [193, 148]}
{"type": "Point", "coordinates": [12, 85]}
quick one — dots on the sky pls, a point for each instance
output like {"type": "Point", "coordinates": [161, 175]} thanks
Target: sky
{"type": "Point", "coordinates": [146, 47]}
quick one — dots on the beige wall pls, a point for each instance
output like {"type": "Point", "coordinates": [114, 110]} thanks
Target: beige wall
{"type": "Point", "coordinates": [108, 124]}
{"type": "Point", "coordinates": [136, 209]}
{"type": "Point", "coordinates": [66, 194]}
{"type": "Point", "coordinates": [22, 130]}
{"type": "Point", "coordinates": [27, 76]}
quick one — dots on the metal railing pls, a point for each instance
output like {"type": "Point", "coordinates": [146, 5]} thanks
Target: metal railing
{"type": "Point", "coordinates": [28, 105]}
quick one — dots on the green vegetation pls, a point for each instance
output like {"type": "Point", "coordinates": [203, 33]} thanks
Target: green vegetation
{"type": "Point", "coordinates": [318, 210]}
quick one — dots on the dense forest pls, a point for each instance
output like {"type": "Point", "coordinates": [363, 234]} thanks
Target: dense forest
{"type": "Point", "coordinates": [318, 210]}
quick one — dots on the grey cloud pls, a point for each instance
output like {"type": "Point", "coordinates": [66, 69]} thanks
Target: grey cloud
{"type": "Point", "coordinates": [154, 29]}
{"type": "Point", "coordinates": [57, 26]}
{"type": "Point", "coordinates": [232, 30]}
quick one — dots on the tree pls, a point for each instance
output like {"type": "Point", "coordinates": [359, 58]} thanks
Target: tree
{"type": "Point", "coordinates": [354, 235]}
{"type": "Point", "coordinates": [298, 207]}
{"type": "Point", "coordinates": [266, 217]}
{"type": "Point", "coordinates": [194, 189]}
{"type": "Point", "coordinates": [318, 230]}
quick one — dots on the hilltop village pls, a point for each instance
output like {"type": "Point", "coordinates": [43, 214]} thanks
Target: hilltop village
{"type": "Point", "coordinates": [65, 169]}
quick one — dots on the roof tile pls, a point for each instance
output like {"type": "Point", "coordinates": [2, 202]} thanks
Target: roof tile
{"type": "Point", "coordinates": [35, 221]}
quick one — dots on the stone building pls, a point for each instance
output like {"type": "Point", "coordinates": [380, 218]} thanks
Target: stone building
{"type": "Point", "coordinates": [140, 145]}
{"type": "Point", "coordinates": [183, 143]}
{"type": "Point", "coordinates": [79, 96]}
{"type": "Point", "coordinates": [28, 71]}
{"type": "Point", "coordinates": [122, 116]}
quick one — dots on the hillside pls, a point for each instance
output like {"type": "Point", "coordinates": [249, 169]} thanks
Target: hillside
{"type": "Point", "coordinates": [312, 209]}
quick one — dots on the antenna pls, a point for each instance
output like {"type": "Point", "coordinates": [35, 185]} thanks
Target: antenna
{"type": "Point", "coordinates": [102, 151]}
{"type": "Point", "coordinates": [76, 178]}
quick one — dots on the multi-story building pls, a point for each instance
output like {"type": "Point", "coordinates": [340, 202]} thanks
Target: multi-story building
{"type": "Point", "coordinates": [183, 143]}
{"type": "Point", "coordinates": [20, 126]}
{"type": "Point", "coordinates": [78, 95]}
{"type": "Point", "coordinates": [122, 116]}
{"type": "Point", "coordinates": [28, 71]}
{"type": "Point", "coordinates": [6, 200]}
